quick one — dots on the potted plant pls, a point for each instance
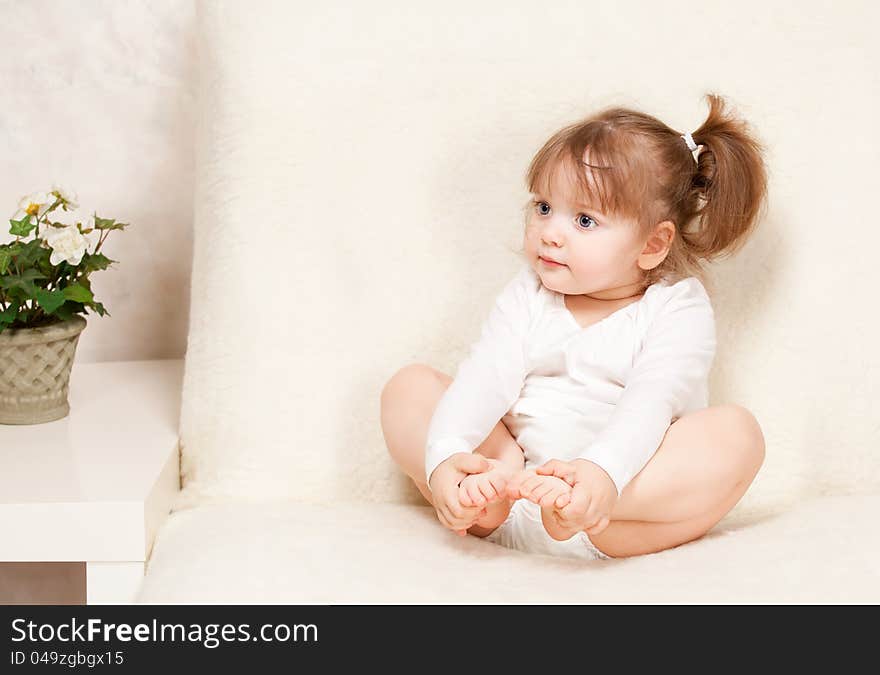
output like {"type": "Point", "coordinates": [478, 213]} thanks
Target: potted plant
{"type": "Point", "coordinates": [44, 290]}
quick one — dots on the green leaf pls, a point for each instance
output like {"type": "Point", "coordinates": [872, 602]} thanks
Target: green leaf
{"type": "Point", "coordinates": [109, 224]}
{"type": "Point", "coordinates": [77, 293]}
{"type": "Point", "coordinates": [23, 281]}
{"type": "Point", "coordinates": [21, 228]}
{"type": "Point", "coordinates": [104, 223]}
{"type": "Point", "coordinates": [50, 300]}
{"type": "Point", "coordinates": [31, 274]}
{"type": "Point", "coordinates": [66, 311]}
{"type": "Point", "coordinates": [45, 266]}
{"type": "Point", "coordinates": [95, 261]}
{"type": "Point", "coordinates": [5, 259]}
{"type": "Point", "coordinates": [31, 252]}
{"type": "Point", "coordinates": [8, 315]}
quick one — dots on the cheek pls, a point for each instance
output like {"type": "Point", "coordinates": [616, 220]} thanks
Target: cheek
{"type": "Point", "coordinates": [588, 254]}
{"type": "Point", "coordinates": [596, 259]}
{"type": "Point", "coordinates": [530, 235]}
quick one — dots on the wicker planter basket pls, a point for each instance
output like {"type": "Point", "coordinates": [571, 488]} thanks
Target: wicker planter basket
{"type": "Point", "coordinates": [35, 368]}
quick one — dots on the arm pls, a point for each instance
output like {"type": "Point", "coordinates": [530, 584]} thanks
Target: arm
{"type": "Point", "coordinates": [673, 365]}
{"type": "Point", "coordinates": [490, 378]}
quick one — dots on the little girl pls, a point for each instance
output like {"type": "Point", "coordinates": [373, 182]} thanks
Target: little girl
{"type": "Point", "coordinates": [579, 423]}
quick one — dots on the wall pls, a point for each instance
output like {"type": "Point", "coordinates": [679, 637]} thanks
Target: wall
{"type": "Point", "coordinates": [100, 96]}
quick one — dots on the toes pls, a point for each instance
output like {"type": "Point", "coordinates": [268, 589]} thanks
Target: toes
{"type": "Point", "coordinates": [515, 485]}
{"type": "Point", "coordinates": [477, 498]}
{"type": "Point", "coordinates": [499, 484]}
{"type": "Point", "coordinates": [527, 486]}
{"type": "Point", "coordinates": [488, 491]}
{"type": "Point", "coordinates": [513, 489]}
{"type": "Point", "coordinates": [542, 490]}
{"type": "Point", "coordinates": [549, 498]}
{"type": "Point", "coordinates": [534, 488]}
{"type": "Point", "coordinates": [537, 497]}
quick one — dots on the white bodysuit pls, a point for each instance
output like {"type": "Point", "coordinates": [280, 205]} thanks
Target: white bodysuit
{"type": "Point", "coordinates": [606, 393]}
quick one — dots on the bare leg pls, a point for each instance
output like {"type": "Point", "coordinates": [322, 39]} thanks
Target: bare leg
{"type": "Point", "coordinates": [408, 402]}
{"type": "Point", "coordinates": [704, 465]}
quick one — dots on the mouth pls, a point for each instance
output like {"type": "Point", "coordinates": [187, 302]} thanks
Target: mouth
{"type": "Point", "coordinates": [550, 262]}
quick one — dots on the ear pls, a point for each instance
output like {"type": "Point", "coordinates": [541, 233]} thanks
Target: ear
{"type": "Point", "coordinates": [657, 245]}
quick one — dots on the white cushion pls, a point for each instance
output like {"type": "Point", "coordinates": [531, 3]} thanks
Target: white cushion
{"type": "Point", "coordinates": [822, 550]}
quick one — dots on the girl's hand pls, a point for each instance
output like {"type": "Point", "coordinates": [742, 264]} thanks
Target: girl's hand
{"type": "Point", "coordinates": [593, 495]}
{"type": "Point", "coordinates": [482, 489]}
{"type": "Point", "coordinates": [444, 486]}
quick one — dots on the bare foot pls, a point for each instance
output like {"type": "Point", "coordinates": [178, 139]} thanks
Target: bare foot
{"type": "Point", "coordinates": [551, 524]}
{"type": "Point", "coordinates": [488, 489]}
{"type": "Point", "coordinates": [541, 490]}
{"type": "Point", "coordinates": [548, 492]}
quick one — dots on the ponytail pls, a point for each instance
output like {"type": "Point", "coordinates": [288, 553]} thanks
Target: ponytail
{"type": "Point", "coordinates": [728, 188]}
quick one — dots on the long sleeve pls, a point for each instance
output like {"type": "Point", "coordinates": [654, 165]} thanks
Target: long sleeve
{"type": "Point", "coordinates": [669, 371]}
{"type": "Point", "coordinates": [489, 379]}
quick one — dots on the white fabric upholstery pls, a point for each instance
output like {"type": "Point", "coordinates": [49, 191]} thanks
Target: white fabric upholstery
{"type": "Point", "coordinates": [359, 195]}
{"type": "Point", "coordinates": [823, 550]}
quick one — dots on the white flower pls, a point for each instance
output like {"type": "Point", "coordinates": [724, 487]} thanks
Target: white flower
{"type": "Point", "coordinates": [69, 196]}
{"type": "Point", "coordinates": [93, 236]}
{"type": "Point", "coordinates": [67, 243]}
{"type": "Point", "coordinates": [34, 205]}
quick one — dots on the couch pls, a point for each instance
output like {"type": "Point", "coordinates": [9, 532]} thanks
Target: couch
{"type": "Point", "coordinates": [358, 205]}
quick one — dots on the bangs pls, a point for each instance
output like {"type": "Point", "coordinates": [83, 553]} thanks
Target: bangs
{"type": "Point", "coordinates": [615, 181]}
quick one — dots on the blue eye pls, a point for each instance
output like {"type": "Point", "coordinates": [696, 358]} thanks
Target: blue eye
{"type": "Point", "coordinates": [540, 208]}
{"type": "Point", "coordinates": [581, 222]}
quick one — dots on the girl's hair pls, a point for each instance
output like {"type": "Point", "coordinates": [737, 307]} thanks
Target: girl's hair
{"type": "Point", "coordinates": [643, 171]}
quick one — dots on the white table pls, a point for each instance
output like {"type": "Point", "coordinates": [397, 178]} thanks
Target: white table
{"type": "Point", "coordinates": [95, 486]}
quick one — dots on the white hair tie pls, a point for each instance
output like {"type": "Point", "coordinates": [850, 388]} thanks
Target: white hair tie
{"type": "Point", "coordinates": [691, 145]}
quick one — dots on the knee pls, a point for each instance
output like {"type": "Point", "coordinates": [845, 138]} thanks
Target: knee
{"type": "Point", "coordinates": [403, 382]}
{"type": "Point", "coordinates": [745, 435]}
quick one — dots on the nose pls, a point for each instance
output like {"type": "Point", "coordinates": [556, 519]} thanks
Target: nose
{"type": "Point", "coordinates": [551, 232]}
